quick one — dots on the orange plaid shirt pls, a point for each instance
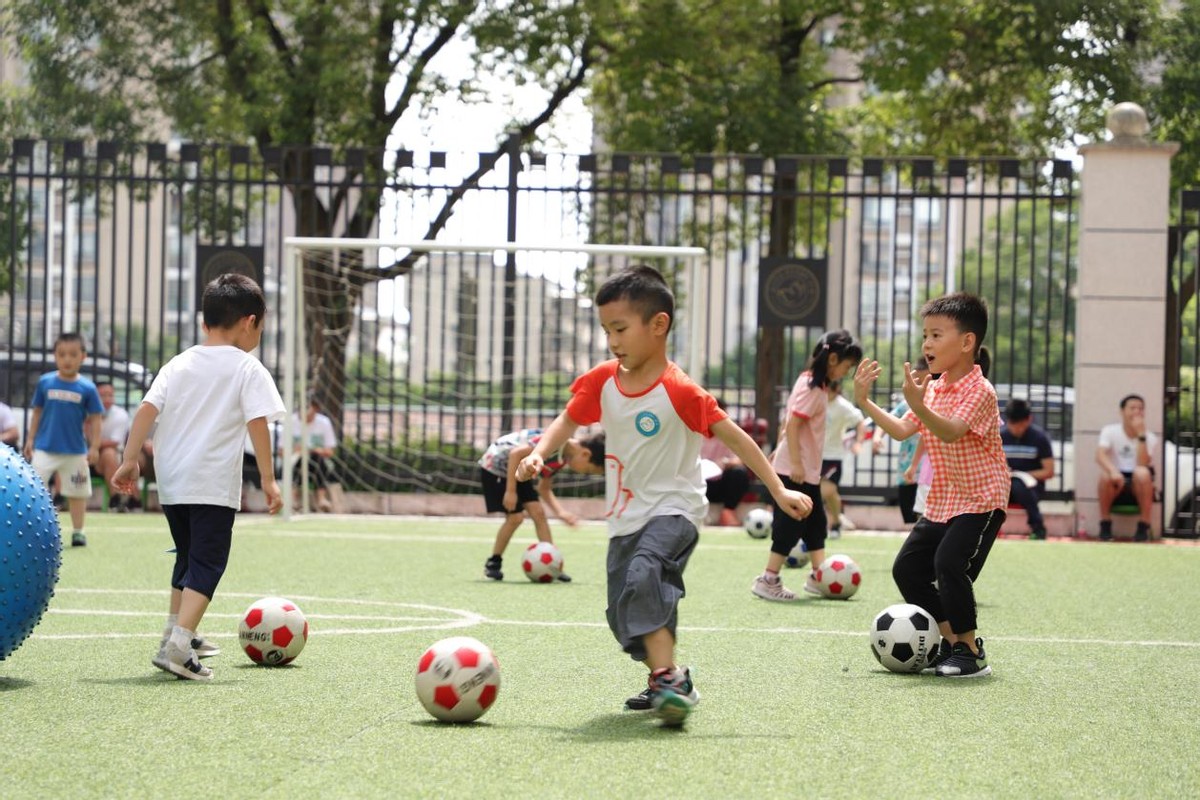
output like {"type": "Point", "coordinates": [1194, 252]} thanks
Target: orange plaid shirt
{"type": "Point", "coordinates": [970, 476]}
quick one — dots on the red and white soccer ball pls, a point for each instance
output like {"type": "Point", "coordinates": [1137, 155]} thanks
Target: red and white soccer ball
{"type": "Point", "coordinates": [838, 577]}
{"type": "Point", "coordinates": [273, 631]}
{"type": "Point", "coordinates": [458, 679]}
{"type": "Point", "coordinates": [542, 562]}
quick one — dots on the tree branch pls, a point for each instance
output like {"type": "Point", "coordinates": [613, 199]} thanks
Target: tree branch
{"type": "Point", "coordinates": [281, 46]}
{"type": "Point", "coordinates": [412, 85]}
{"type": "Point", "coordinates": [821, 84]}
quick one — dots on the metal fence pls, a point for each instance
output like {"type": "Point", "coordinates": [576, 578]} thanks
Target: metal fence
{"type": "Point", "coordinates": [116, 241]}
{"type": "Point", "coordinates": [1181, 495]}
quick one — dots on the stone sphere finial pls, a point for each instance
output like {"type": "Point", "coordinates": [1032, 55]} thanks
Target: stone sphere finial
{"type": "Point", "coordinates": [1127, 121]}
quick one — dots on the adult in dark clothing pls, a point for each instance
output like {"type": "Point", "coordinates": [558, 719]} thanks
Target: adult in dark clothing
{"type": "Point", "coordinates": [1031, 459]}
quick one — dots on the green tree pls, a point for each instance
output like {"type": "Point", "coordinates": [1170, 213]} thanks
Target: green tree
{"type": "Point", "coordinates": [933, 77]}
{"type": "Point", "coordinates": [290, 72]}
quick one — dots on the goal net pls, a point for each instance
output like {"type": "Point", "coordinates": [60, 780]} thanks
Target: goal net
{"type": "Point", "coordinates": [423, 353]}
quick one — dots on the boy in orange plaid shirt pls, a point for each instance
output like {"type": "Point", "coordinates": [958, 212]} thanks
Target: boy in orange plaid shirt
{"type": "Point", "coordinates": [956, 415]}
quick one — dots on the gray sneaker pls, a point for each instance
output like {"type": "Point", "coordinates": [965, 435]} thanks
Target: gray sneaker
{"type": "Point", "coordinates": [771, 590]}
{"type": "Point", "coordinates": [204, 648]}
{"type": "Point", "coordinates": [184, 664]}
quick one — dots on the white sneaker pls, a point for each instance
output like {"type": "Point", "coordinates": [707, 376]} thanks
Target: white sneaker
{"type": "Point", "coordinates": [811, 586]}
{"type": "Point", "coordinates": [846, 523]}
{"type": "Point", "coordinates": [771, 590]}
{"type": "Point", "coordinates": [185, 664]}
{"type": "Point", "coordinates": [205, 648]}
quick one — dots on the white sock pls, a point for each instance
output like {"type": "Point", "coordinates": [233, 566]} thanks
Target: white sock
{"type": "Point", "coordinates": [182, 638]}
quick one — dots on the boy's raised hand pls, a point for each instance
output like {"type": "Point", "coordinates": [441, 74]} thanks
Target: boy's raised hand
{"type": "Point", "coordinates": [867, 373]}
{"type": "Point", "coordinates": [794, 504]}
{"type": "Point", "coordinates": [914, 387]}
{"type": "Point", "coordinates": [530, 465]}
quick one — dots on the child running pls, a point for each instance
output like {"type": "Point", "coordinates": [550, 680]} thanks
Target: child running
{"type": "Point", "coordinates": [205, 400]}
{"type": "Point", "coordinates": [654, 418]}
{"type": "Point", "coordinates": [502, 492]}
{"type": "Point", "coordinates": [797, 461]}
{"type": "Point", "coordinates": [956, 416]}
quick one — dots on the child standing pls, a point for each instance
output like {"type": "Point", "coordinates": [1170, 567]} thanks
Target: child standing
{"type": "Point", "coordinates": [841, 415]}
{"type": "Point", "coordinates": [64, 430]}
{"type": "Point", "coordinates": [959, 426]}
{"type": "Point", "coordinates": [502, 492]}
{"type": "Point", "coordinates": [654, 417]}
{"type": "Point", "coordinates": [205, 400]}
{"type": "Point", "coordinates": [797, 462]}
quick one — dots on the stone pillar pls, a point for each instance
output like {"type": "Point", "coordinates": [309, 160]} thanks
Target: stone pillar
{"type": "Point", "coordinates": [1120, 312]}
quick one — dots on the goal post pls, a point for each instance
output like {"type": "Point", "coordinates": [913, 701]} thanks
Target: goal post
{"type": "Point", "coordinates": [300, 253]}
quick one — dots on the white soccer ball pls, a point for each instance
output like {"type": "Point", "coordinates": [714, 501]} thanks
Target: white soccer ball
{"type": "Point", "coordinates": [838, 577]}
{"type": "Point", "coordinates": [542, 562]}
{"type": "Point", "coordinates": [798, 557]}
{"type": "Point", "coordinates": [273, 631]}
{"type": "Point", "coordinates": [758, 522]}
{"type": "Point", "coordinates": [904, 638]}
{"type": "Point", "coordinates": [457, 679]}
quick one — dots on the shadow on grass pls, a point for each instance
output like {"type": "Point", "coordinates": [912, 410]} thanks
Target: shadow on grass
{"type": "Point", "coordinates": [437, 724]}
{"type": "Point", "coordinates": [630, 725]}
{"type": "Point", "coordinates": [12, 684]}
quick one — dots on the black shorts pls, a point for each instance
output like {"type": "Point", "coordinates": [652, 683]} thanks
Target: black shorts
{"type": "Point", "coordinates": [1127, 497]}
{"type": "Point", "coordinates": [831, 471]}
{"type": "Point", "coordinates": [203, 535]}
{"type": "Point", "coordinates": [493, 493]}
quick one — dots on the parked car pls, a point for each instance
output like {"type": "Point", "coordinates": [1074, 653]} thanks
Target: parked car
{"type": "Point", "coordinates": [19, 373]}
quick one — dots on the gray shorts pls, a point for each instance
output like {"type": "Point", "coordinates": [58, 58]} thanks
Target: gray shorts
{"type": "Point", "coordinates": [645, 579]}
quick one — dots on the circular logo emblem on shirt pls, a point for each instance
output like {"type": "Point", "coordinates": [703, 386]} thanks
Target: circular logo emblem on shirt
{"type": "Point", "coordinates": [646, 423]}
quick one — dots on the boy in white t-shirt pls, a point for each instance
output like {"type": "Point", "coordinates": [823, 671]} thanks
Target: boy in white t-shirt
{"type": "Point", "coordinates": [654, 419]}
{"type": "Point", "coordinates": [1125, 454]}
{"type": "Point", "coordinates": [840, 416]}
{"type": "Point", "coordinates": [204, 401]}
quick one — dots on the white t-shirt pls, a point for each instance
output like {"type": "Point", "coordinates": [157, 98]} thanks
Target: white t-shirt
{"type": "Point", "coordinates": [1124, 448]}
{"type": "Point", "coordinates": [114, 426]}
{"type": "Point", "coordinates": [205, 396]}
{"type": "Point", "coordinates": [840, 415]}
{"type": "Point", "coordinates": [7, 418]}
{"type": "Point", "coordinates": [652, 444]}
{"type": "Point", "coordinates": [320, 432]}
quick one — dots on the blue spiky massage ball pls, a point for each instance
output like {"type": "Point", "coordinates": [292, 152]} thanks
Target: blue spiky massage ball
{"type": "Point", "coordinates": [29, 550]}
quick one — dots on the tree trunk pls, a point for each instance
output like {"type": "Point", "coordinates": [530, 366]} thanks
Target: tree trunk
{"type": "Point", "coordinates": [769, 359]}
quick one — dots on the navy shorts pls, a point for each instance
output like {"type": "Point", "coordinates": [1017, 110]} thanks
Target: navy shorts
{"type": "Point", "coordinates": [203, 536]}
{"type": "Point", "coordinates": [493, 493]}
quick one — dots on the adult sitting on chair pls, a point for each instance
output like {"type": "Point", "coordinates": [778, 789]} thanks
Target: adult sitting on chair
{"type": "Point", "coordinates": [322, 443]}
{"type": "Point", "coordinates": [114, 430]}
{"type": "Point", "coordinates": [1031, 459]}
{"type": "Point", "coordinates": [1127, 467]}
{"type": "Point", "coordinates": [730, 485]}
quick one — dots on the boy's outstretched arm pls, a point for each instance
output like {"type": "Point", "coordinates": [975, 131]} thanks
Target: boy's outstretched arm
{"type": "Point", "coordinates": [553, 438]}
{"type": "Point", "coordinates": [868, 372]}
{"type": "Point", "coordinates": [124, 480]}
{"type": "Point", "coordinates": [260, 437]}
{"type": "Point", "coordinates": [794, 503]}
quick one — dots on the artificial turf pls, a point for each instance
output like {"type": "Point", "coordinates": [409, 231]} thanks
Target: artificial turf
{"type": "Point", "coordinates": [1095, 648]}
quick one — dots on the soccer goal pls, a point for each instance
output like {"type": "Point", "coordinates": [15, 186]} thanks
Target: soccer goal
{"type": "Point", "coordinates": [421, 365]}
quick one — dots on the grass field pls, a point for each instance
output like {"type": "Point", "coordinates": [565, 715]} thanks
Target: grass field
{"type": "Point", "coordinates": [1095, 648]}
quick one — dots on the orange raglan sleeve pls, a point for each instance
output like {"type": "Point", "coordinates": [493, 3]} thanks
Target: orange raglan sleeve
{"type": "Point", "coordinates": [697, 408]}
{"type": "Point", "coordinates": [584, 405]}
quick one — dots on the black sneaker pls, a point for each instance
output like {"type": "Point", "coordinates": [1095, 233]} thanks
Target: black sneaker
{"type": "Point", "coordinates": [962, 663]}
{"type": "Point", "coordinates": [564, 577]}
{"type": "Point", "coordinates": [644, 700]}
{"type": "Point", "coordinates": [1143, 533]}
{"type": "Point", "coordinates": [944, 651]}
{"type": "Point", "coordinates": [491, 568]}
{"type": "Point", "coordinates": [78, 539]}
{"type": "Point", "coordinates": [1106, 530]}
{"type": "Point", "coordinates": [1038, 534]}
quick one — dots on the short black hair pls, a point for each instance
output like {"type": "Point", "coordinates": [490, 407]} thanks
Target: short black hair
{"type": "Point", "coordinates": [100, 384]}
{"type": "Point", "coordinates": [1128, 397]}
{"type": "Point", "coordinates": [68, 337]}
{"type": "Point", "coordinates": [645, 289]}
{"type": "Point", "coordinates": [968, 311]}
{"type": "Point", "coordinates": [595, 446]}
{"type": "Point", "coordinates": [1017, 410]}
{"type": "Point", "coordinates": [232, 297]}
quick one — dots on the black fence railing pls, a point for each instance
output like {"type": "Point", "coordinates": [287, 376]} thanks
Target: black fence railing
{"type": "Point", "coordinates": [1181, 492]}
{"type": "Point", "coordinates": [423, 360]}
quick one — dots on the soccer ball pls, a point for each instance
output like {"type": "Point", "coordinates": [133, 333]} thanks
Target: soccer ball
{"type": "Point", "coordinates": [758, 523]}
{"type": "Point", "coordinates": [838, 577]}
{"type": "Point", "coordinates": [904, 638]}
{"type": "Point", "coordinates": [542, 562]}
{"type": "Point", "coordinates": [798, 557]}
{"type": "Point", "coordinates": [457, 679]}
{"type": "Point", "coordinates": [273, 631]}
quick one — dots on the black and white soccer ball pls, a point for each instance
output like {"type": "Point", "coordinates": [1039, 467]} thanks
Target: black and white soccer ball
{"type": "Point", "coordinates": [758, 523]}
{"type": "Point", "coordinates": [798, 557]}
{"type": "Point", "coordinates": [904, 638]}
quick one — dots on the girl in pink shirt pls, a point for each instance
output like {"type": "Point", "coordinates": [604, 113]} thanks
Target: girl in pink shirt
{"type": "Point", "coordinates": [797, 460]}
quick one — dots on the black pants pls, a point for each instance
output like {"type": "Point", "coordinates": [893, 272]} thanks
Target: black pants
{"type": "Point", "coordinates": [202, 536]}
{"type": "Point", "coordinates": [951, 553]}
{"type": "Point", "coordinates": [729, 487]}
{"type": "Point", "coordinates": [907, 492]}
{"type": "Point", "coordinates": [1027, 499]}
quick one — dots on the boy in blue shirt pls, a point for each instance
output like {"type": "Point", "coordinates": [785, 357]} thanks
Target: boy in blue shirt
{"type": "Point", "coordinates": [64, 431]}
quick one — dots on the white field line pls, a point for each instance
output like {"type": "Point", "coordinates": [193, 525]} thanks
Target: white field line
{"type": "Point", "coordinates": [459, 618]}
